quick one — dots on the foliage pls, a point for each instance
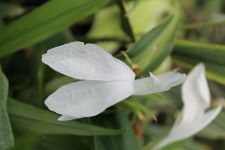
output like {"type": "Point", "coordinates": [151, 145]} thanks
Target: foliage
{"type": "Point", "coordinates": [154, 35]}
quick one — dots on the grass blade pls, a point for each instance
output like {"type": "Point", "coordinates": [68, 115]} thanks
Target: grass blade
{"type": "Point", "coordinates": [45, 21]}
{"type": "Point", "coordinates": [213, 53]}
{"type": "Point", "coordinates": [40, 121]}
{"type": "Point", "coordinates": [214, 72]}
{"type": "Point", "coordinates": [156, 45]}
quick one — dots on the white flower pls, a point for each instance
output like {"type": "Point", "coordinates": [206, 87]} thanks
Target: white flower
{"type": "Point", "coordinates": [107, 80]}
{"type": "Point", "coordinates": [194, 117]}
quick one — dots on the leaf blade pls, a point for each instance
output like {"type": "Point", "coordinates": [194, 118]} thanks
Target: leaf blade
{"type": "Point", "coordinates": [6, 135]}
{"type": "Point", "coordinates": [126, 141]}
{"type": "Point", "coordinates": [37, 26]}
{"type": "Point", "coordinates": [214, 71]}
{"type": "Point", "coordinates": [156, 45]}
{"type": "Point", "coordinates": [213, 53]}
{"type": "Point", "coordinates": [43, 122]}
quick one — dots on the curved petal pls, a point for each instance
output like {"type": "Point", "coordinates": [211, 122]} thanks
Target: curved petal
{"type": "Point", "coordinates": [87, 62]}
{"type": "Point", "coordinates": [87, 98]}
{"type": "Point", "coordinates": [196, 99]}
{"type": "Point", "coordinates": [195, 94]}
{"type": "Point", "coordinates": [181, 131]}
{"type": "Point", "coordinates": [156, 84]}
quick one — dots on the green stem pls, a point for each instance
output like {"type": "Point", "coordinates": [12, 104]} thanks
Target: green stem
{"type": "Point", "coordinates": [127, 58]}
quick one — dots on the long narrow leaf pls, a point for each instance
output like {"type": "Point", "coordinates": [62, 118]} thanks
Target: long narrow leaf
{"type": "Point", "coordinates": [45, 21]}
{"type": "Point", "coordinates": [135, 106]}
{"type": "Point", "coordinates": [214, 72]}
{"type": "Point", "coordinates": [203, 51]}
{"type": "Point", "coordinates": [156, 45]}
{"type": "Point", "coordinates": [6, 135]}
{"type": "Point", "coordinates": [43, 122]}
{"type": "Point", "coordinates": [126, 141]}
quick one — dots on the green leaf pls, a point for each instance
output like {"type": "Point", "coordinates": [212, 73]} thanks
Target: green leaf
{"type": "Point", "coordinates": [213, 7]}
{"type": "Point", "coordinates": [124, 20]}
{"type": "Point", "coordinates": [216, 129]}
{"type": "Point", "coordinates": [45, 21]}
{"type": "Point", "coordinates": [140, 23]}
{"type": "Point", "coordinates": [214, 72]}
{"type": "Point", "coordinates": [31, 118]}
{"type": "Point", "coordinates": [187, 144]}
{"type": "Point", "coordinates": [202, 25]}
{"type": "Point", "coordinates": [134, 105]}
{"type": "Point", "coordinates": [156, 45]}
{"type": "Point", "coordinates": [126, 141]}
{"type": "Point", "coordinates": [52, 142]}
{"type": "Point", "coordinates": [63, 142]}
{"type": "Point", "coordinates": [10, 10]}
{"type": "Point", "coordinates": [213, 53]}
{"type": "Point", "coordinates": [6, 135]}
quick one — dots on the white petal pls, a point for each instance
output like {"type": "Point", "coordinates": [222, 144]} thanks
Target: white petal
{"type": "Point", "coordinates": [196, 99]}
{"type": "Point", "coordinates": [195, 94]}
{"type": "Point", "coordinates": [181, 131]}
{"type": "Point", "coordinates": [87, 98]}
{"type": "Point", "coordinates": [87, 62]}
{"type": "Point", "coordinates": [156, 84]}
{"type": "Point", "coordinates": [66, 118]}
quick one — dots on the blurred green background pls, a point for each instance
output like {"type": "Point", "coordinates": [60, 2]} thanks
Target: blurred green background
{"type": "Point", "coordinates": [157, 35]}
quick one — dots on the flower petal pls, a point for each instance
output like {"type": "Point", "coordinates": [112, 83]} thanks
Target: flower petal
{"type": "Point", "coordinates": [196, 99]}
{"type": "Point", "coordinates": [156, 84]}
{"type": "Point", "coordinates": [195, 94]}
{"type": "Point", "coordinates": [87, 62]}
{"type": "Point", "coordinates": [66, 118]}
{"type": "Point", "coordinates": [181, 131]}
{"type": "Point", "coordinates": [87, 98]}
